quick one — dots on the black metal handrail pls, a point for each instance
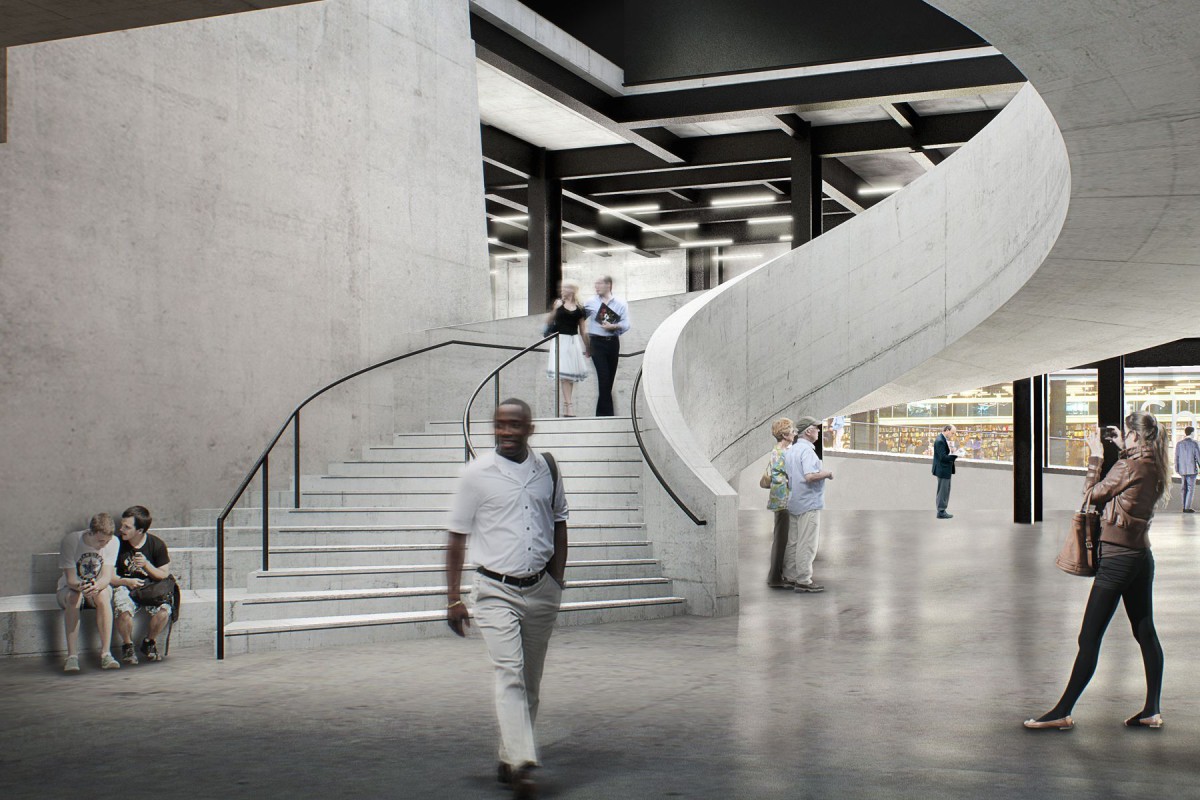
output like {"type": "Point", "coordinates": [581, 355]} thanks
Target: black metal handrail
{"type": "Point", "coordinates": [263, 465]}
{"type": "Point", "coordinates": [637, 432]}
{"type": "Point", "coordinates": [468, 446]}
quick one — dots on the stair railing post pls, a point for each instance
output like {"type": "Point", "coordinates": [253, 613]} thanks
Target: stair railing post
{"type": "Point", "coordinates": [296, 460]}
{"type": "Point", "coordinates": [497, 393]}
{"type": "Point", "coordinates": [220, 587]}
{"type": "Point", "coordinates": [557, 376]}
{"type": "Point", "coordinates": [266, 512]}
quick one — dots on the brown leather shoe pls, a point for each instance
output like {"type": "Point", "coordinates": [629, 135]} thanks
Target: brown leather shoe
{"type": "Point", "coordinates": [1063, 724]}
{"type": "Point", "coordinates": [523, 785]}
{"type": "Point", "coordinates": [504, 774]}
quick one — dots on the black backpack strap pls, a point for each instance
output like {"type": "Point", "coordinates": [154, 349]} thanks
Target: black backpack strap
{"type": "Point", "coordinates": [553, 465]}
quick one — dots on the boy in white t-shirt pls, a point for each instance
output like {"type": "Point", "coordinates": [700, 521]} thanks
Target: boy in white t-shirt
{"type": "Point", "coordinates": [87, 560]}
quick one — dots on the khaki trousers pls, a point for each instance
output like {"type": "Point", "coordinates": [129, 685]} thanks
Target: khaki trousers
{"type": "Point", "coordinates": [804, 534]}
{"type": "Point", "coordinates": [516, 624]}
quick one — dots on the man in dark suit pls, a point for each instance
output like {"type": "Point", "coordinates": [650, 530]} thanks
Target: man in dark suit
{"type": "Point", "coordinates": [943, 468]}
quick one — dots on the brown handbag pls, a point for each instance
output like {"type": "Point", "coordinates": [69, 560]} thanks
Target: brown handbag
{"type": "Point", "coordinates": [1078, 554]}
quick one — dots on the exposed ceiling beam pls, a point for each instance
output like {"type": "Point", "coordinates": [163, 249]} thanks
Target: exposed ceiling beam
{"type": "Point", "coordinates": [495, 47]}
{"type": "Point", "coordinates": [903, 114]}
{"type": "Point", "coordinates": [819, 92]}
{"type": "Point", "coordinates": [945, 130]}
{"type": "Point", "coordinates": [686, 178]}
{"type": "Point", "coordinates": [843, 184]}
{"type": "Point", "coordinates": [928, 159]}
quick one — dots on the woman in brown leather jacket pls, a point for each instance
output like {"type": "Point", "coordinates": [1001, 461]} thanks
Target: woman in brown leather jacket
{"type": "Point", "coordinates": [1138, 482]}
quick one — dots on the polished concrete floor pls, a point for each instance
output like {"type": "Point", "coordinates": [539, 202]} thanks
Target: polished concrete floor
{"type": "Point", "coordinates": [907, 678]}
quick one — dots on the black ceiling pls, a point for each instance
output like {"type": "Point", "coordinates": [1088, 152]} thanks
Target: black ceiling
{"type": "Point", "coordinates": [657, 40]}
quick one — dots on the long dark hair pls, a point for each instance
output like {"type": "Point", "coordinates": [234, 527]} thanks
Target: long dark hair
{"type": "Point", "coordinates": [1154, 437]}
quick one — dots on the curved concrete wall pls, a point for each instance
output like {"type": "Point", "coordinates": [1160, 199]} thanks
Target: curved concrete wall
{"type": "Point", "coordinates": [1123, 83]}
{"type": "Point", "coordinates": [825, 324]}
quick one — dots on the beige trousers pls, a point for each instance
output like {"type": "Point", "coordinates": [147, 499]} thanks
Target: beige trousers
{"type": "Point", "coordinates": [516, 624]}
{"type": "Point", "coordinates": [804, 534]}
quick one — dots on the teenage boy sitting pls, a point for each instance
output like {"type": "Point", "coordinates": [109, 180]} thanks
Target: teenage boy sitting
{"type": "Point", "coordinates": [143, 566]}
{"type": "Point", "coordinates": [86, 559]}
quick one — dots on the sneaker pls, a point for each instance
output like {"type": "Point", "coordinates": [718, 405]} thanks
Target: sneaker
{"type": "Point", "coordinates": [944, 515]}
{"type": "Point", "coordinates": [809, 587]}
{"type": "Point", "coordinates": [108, 662]}
{"type": "Point", "coordinates": [127, 654]}
{"type": "Point", "coordinates": [150, 650]}
{"type": "Point", "coordinates": [71, 664]}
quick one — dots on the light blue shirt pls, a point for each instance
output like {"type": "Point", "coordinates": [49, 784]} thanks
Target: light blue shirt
{"type": "Point", "coordinates": [618, 307]}
{"type": "Point", "coordinates": [1187, 456]}
{"type": "Point", "coordinates": [799, 460]}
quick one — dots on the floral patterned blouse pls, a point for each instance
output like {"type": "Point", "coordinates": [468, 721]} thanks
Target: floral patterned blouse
{"type": "Point", "coordinates": [780, 489]}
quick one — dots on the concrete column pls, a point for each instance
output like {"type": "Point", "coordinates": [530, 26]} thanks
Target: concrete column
{"type": "Point", "coordinates": [700, 269]}
{"type": "Point", "coordinates": [545, 237]}
{"type": "Point", "coordinates": [1029, 452]}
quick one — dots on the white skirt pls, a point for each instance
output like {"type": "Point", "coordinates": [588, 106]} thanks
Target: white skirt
{"type": "Point", "coordinates": [572, 366]}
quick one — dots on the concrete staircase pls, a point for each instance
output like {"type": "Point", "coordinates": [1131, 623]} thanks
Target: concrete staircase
{"type": "Point", "coordinates": [363, 560]}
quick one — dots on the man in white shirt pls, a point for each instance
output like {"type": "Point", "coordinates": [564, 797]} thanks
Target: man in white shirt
{"type": "Point", "coordinates": [608, 318]}
{"type": "Point", "coordinates": [510, 503]}
{"type": "Point", "coordinates": [807, 476]}
{"type": "Point", "coordinates": [86, 559]}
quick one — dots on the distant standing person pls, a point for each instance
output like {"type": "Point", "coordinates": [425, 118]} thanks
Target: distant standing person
{"type": "Point", "coordinates": [568, 362]}
{"type": "Point", "coordinates": [1187, 458]}
{"type": "Point", "coordinates": [608, 319]}
{"type": "Point", "coordinates": [775, 478]}
{"type": "Point", "coordinates": [807, 477]}
{"type": "Point", "coordinates": [838, 425]}
{"type": "Point", "coordinates": [943, 468]}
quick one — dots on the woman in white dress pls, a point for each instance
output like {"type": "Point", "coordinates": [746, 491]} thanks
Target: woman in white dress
{"type": "Point", "coordinates": [568, 317]}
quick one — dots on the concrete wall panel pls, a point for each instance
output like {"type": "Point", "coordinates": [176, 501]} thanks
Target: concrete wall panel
{"type": "Point", "coordinates": [200, 223]}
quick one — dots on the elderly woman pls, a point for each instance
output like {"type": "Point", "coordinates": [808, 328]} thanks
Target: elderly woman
{"type": "Point", "coordinates": [775, 478]}
{"type": "Point", "coordinates": [570, 350]}
{"type": "Point", "coordinates": [1138, 482]}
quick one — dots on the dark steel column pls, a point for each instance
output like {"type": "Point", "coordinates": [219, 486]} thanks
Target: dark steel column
{"type": "Point", "coordinates": [700, 263]}
{"type": "Point", "coordinates": [804, 209]}
{"type": "Point", "coordinates": [1029, 450]}
{"type": "Point", "coordinates": [1110, 403]}
{"type": "Point", "coordinates": [545, 236]}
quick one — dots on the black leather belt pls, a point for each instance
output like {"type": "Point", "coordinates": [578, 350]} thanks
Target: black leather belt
{"type": "Point", "coordinates": [522, 583]}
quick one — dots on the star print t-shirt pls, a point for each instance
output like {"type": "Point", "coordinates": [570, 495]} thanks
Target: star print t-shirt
{"type": "Point", "coordinates": [84, 559]}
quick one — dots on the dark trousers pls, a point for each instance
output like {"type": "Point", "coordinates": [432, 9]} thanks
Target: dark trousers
{"type": "Point", "coordinates": [606, 351]}
{"type": "Point", "coordinates": [778, 546]}
{"type": "Point", "coordinates": [943, 494]}
{"type": "Point", "coordinates": [1128, 579]}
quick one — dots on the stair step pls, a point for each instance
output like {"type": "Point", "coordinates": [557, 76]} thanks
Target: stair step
{"type": "Point", "coordinates": [576, 485]}
{"type": "Point", "coordinates": [542, 424]}
{"type": "Point", "coordinates": [453, 468]}
{"type": "Point", "coordinates": [251, 535]}
{"type": "Point", "coordinates": [378, 515]}
{"type": "Point", "coordinates": [362, 498]}
{"type": "Point", "coordinates": [295, 579]}
{"type": "Point", "coordinates": [540, 440]}
{"type": "Point", "coordinates": [455, 453]}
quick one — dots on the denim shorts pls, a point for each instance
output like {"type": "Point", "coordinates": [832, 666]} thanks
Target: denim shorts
{"type": "Point", "coordinates": [124, 603]}
{"type": "Point", "coordinates": [1123, 571]}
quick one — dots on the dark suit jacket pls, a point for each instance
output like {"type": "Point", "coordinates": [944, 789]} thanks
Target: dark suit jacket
{"type": "Point", "coordinates": [943, 464]}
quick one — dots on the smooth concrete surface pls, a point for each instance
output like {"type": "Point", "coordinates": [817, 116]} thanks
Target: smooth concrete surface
{"type": "Point", "coordinates": [200, 224]}
{"type": "Point", "coordinates": [1123, 82]}
{"type": "Point", "coordinates": [819, 327]}
{"type": "Point", "coordinates": [908, 678]}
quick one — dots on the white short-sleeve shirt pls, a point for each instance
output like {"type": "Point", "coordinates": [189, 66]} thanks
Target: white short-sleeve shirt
{"type": "Point", "coordinates": [508, 510]}
{"type": "Point", "coordinates": [75, 552]}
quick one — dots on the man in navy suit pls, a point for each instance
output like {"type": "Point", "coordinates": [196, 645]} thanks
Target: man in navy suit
{"type": "Point", "coordinates": [943, 468]}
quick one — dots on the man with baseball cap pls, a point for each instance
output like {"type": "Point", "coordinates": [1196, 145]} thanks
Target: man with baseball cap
{"type": "Point", "coordinates": [807, 477]}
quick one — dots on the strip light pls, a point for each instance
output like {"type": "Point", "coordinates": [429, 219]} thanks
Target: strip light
{"type": "Point", "coordinates": [744, 200]}
{"type": "Point", "coordinates": [624, 248]}
{"type": "Point", "coordinates": [638, 209]}
{"type": "Point", "coordinates": [740, 257]}
{"type": "Point", "coordinates": [512, 218]}
{"type": "Point", "coordinates": [770, 220]}
{"type": "Point", "coordinates": [787, 237]}
{"type": "Point", "coordinates": [675, 226]}
{"type": "Point", "coordinates": [707, 243]}
{"type": "Point", "coordinates": [578, 234]}
{"type": "Point", "coordinates": [876, 190]}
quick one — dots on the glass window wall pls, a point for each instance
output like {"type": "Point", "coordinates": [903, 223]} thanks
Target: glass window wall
{"type": "Point", "coordinates": [1071, 413]}
{"type": "Point", "coordinates": [1170, 393]}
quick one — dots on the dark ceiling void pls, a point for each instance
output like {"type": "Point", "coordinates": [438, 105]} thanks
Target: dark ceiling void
{"type": "Point", "coordinates": [600, 24]}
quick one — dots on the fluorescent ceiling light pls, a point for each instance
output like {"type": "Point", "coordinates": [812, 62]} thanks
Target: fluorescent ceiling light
{"type": "Point", "coordinates": [770, 220]}
{"type": "Point", "coordinates": [623, 248]}
{"type": "Point", "coordinates": [739, 257]}
{"type": "Point", "coordinates": [744, 200]}
{"type": "Point", "coordinates": [511, 218]}
{"type": "Point", "coordinates": [873, 190]}
{"type": "Point", "coordinates": [638, 209]}
{"type": "Point", "coordinates": [511, 256]}
{"type": "Point", "coordinates": [675, 226]}
{"type": "Point", "coordinates": [577, 234]}
{"type": "Point", "coordinates": [493, 240]}
{"type": "Point", "coordinates": [707, 243]}
{"type": "Point", "coordinates": [787, 237]}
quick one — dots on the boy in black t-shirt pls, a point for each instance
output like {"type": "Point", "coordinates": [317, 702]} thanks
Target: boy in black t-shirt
{"type": "Point", "coordinates": [142, 561]}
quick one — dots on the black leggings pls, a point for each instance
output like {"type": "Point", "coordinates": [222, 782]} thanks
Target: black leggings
{"type": "Point", "coordinates": [1129, 578]}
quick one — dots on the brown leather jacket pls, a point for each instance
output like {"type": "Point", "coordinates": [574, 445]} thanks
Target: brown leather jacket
{"type": "Point", "coordinates": [1130, 493]}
